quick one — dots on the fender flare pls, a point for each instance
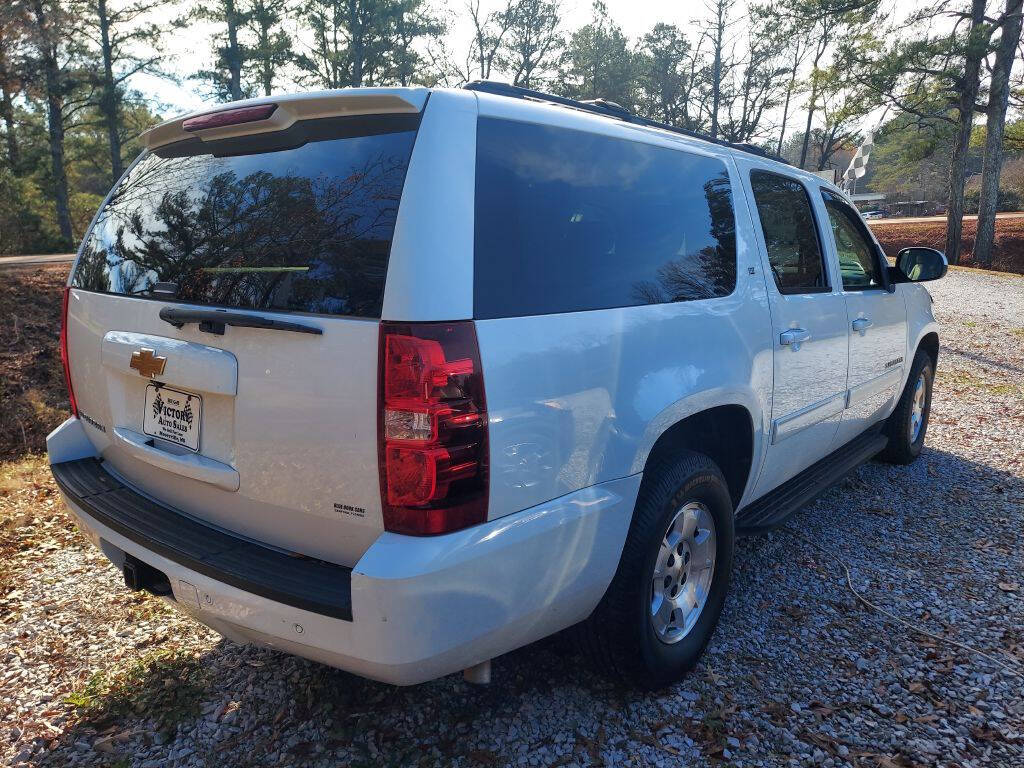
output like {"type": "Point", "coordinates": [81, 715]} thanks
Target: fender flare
{"type": "Point", "coordinates": [705, 400]}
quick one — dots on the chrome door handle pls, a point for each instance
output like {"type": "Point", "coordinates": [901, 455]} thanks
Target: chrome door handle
{"type": "Point", "coordinates": [861, 324]}
{"type": "Point", "coordinates": [794, 337]}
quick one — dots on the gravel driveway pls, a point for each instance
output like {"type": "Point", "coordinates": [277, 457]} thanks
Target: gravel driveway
{"type": "Point", "coordinates": [800, 671]}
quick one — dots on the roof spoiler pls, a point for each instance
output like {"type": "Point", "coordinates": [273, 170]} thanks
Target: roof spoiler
{"type": "Point", "coordinates": [243, 118]}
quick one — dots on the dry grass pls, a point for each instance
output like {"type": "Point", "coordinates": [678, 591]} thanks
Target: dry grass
{"type": "Point", "coordinates": [31, 515]}
{"type": "Point", "coordinates": [32, 396]}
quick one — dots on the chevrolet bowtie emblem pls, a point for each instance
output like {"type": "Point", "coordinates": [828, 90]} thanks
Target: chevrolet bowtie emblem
{"type": "Point", "coordinates": [147, 363]}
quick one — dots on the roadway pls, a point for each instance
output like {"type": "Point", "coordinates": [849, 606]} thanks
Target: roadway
{"type": "Point", "coordinates": [926, 219]}
{"type": "Point", "coordinates": [10, 262]}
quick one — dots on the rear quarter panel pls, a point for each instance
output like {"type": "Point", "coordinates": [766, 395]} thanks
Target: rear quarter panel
{"type": "Point", "coordinates": [580, 398]}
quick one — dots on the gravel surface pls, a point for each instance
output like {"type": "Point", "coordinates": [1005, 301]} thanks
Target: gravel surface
{"type": "Point", "coordinates": [800, 671]}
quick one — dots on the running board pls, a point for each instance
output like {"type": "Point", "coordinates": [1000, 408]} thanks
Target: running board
{"type": "Point", "coordinates": [775, 507]}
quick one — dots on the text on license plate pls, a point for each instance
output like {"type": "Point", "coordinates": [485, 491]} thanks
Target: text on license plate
{"type": "Point", "coordinates": [173, 415]}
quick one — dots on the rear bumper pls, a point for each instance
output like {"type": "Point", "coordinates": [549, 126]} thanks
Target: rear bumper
{"type": "Point", "coordinates": [419, 608]}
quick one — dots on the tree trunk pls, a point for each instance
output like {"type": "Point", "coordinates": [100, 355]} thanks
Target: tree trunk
{"type": "Point", "coordinates": [813, 103]}
{"type": "Point", "coordinates": [807, 128]}
{"type": "Point", "coordinates": [267, 66]}
{"type": "Point", "coordinates": [7, 113]}
{"type": "Point", "coordinates": [356, 47]}
{"type": "Point", "coordinates": [785, 105]}
{"type": "Point", "coordinates": [7, 108]}
{"type": "Point", "coordinates": [55, 123]}
{"type": "Point", "coordinates": [999, 95]}
{"type": "Point", "coordinates": [977, 48]}
{"type": "Point", "coordinates": [234, 57]}
{"type": "Point", "coordinates": [108, 100]}
{"type": "Point", "coordinates": [716, 77]}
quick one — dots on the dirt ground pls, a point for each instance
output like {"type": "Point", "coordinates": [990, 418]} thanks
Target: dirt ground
{"type": "Point", "coordinates": [1008, 255]}
{"type": "Point", "coordinates": [33, 398]}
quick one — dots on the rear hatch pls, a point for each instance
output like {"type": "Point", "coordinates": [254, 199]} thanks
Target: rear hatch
{"type": "Point", "coordinates": [223, 318]}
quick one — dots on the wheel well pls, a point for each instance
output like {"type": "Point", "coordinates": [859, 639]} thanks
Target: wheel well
{"type": "Point", "coordinates": [930, 344]}
{"type": "Point", "coordinates": [725, 434]}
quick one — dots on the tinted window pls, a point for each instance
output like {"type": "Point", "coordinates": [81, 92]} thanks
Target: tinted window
{"type": "Point", "coordinates": [297, 220]}
{"type": "Point", "coordinates": [789, 233]}
{"type": "Point", "coordinates": [857, 257]}
{"type": "Point", "coordinates": [568, 221]}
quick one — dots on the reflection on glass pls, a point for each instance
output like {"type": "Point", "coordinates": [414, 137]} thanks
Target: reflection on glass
{"type": "Point", "coordinates": [306, 228]}
{"type": "Point", "coordinates": [569, 221]}
{"type": "Point", "coordinates": [857, 261]}
{"type": "Point", "coordinates": [790, 234]}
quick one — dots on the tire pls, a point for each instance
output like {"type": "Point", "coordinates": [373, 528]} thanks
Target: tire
{"type": "Point", "coordinates": [906, 437]}
{"type": "Point", "coordinates": [622, 636]}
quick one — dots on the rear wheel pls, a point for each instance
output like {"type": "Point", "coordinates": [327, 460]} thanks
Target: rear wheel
{"type": "Point", "coordinates": [908, 424]}
{"type": "Point", "coordinates": [665, 599]}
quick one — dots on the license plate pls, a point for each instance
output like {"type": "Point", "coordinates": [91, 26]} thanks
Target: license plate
{"type": "Point", "coordinates": [173, 415]}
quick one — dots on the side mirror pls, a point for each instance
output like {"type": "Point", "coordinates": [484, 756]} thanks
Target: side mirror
{"type": "Point", "coordinates": [918, 265]}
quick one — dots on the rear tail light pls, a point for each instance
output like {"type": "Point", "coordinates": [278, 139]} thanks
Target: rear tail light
{"type": "Point", "coordinates": [433, 428]}
{"type": "Point", "coordinates": [64, 351]}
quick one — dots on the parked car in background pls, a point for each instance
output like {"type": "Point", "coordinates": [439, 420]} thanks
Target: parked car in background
{"type": "Point", "coordinates": [400, 380]}
{"type": "Point", "coordinates": [873, 214]}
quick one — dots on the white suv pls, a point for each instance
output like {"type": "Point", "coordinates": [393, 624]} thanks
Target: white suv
{"type": "Point", "coordinates": [403, 379]}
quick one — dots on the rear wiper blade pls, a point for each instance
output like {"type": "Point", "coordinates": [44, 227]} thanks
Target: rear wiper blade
{"type": "Point", "coordinates": [214, 320]}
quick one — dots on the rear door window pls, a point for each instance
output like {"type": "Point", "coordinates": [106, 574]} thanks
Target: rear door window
{"type": "Point", "coordinates": [298, 220]}
{"type": "Point", "coordinates": [568, 221]}
{"type": "Point", "coordinates": [790, 234]}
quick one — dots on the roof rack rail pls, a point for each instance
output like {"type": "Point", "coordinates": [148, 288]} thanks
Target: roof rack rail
{"type": "Point", "coordinates": [608, 109]}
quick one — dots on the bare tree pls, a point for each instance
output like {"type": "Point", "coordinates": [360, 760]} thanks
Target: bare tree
{"type": "Point", "coordinates": [843, 107]}
{"type": "Point", "coordinates": [755, 86]}
{"type": "Point", "coordinates": [798, 52]}
{"type": "Point", "coordinates": [489, 31]}
{"type": "Point", "coordinates": [414, 21]}
{"type": "Point", "coordinates": [824, 23]}
{"type": "Point", "coordinates": [716, 32]}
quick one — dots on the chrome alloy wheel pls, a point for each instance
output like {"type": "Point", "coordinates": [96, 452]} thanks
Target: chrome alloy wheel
{"type": "Point", "coordinates": [683, 572]}
{"type": "Point", "coordinates": [917, 408]}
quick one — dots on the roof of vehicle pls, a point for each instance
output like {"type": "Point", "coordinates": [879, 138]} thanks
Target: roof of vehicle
{"type": "Point", "coordinates": [607, 110]}
{"type": "Point", "coordinates": [611, 110]}
{"type": "Point", "coordinates": [361, 101]}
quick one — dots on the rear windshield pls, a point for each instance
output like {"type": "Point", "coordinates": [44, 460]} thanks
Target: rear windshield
{"type": "Point", "coordinates": [569, 221]}
{"type": "Point", "coordinates": [297, 220]}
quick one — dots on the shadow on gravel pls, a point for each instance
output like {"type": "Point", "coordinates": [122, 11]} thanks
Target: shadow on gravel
{"type": "Point", "coordinates": [250, 702]}
{"type": "Point", "coordinates": [975, 357]}
{"type": "Point", "coordinates": [166, 688]}
{"type": "Point", "coordinates": [237, 705]}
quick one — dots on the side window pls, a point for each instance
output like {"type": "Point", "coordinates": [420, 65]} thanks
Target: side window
{"type": "Point", "coordinates": [789, 233]}
{"type": "Point", "coordinates": [858, 260]}
{"type": "Point", "coordinates": [569, 221]}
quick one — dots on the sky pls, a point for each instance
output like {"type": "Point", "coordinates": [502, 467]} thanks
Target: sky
{"type": "Point", "coordinates": [190, 47]}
